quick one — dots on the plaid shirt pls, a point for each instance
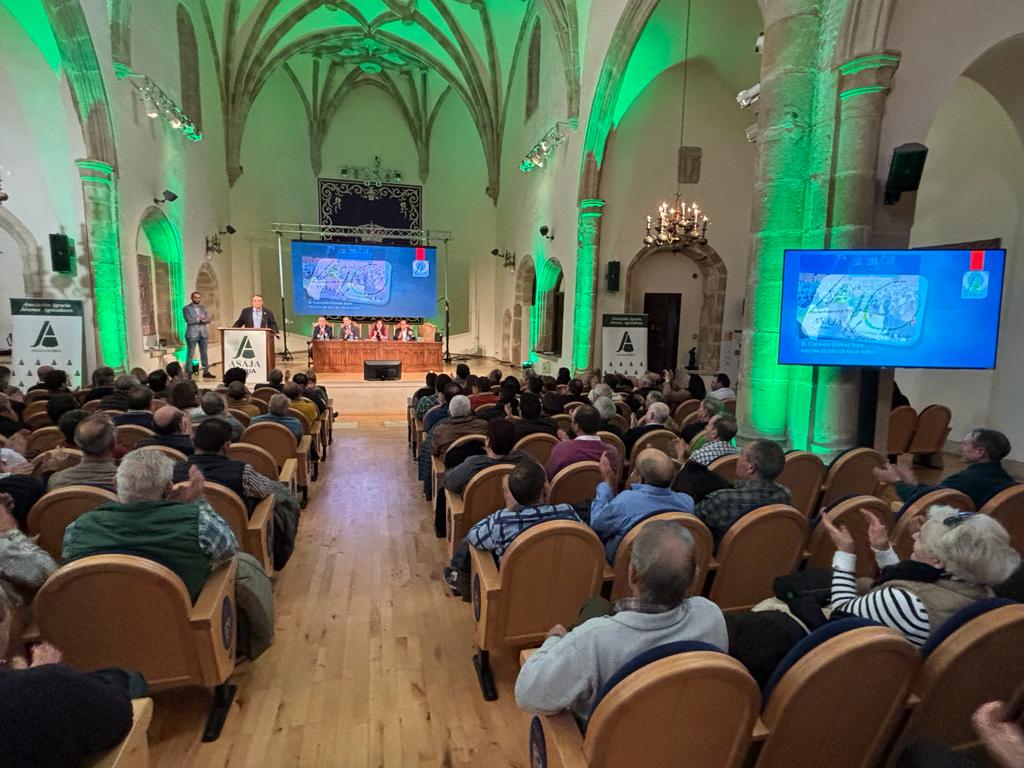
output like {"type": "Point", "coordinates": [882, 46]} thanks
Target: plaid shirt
{"type": "Point", "coordinates": [425, 404]}
{"type": "Point", "coordinates": [496, 532]}
{"type": "Point", "coordinates": [713, 450]}
{"type": "Point", "coordinates": [23, 563]}
{"type": "Point", "coordinates": [256, 486]}
{"type": "Point", "coordinates": [720, 509]}
{"type": "Point", "coordinates": [216, 539]}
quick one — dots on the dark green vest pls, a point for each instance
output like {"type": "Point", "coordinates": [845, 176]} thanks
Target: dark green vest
{"type": "Point", "coordinates": [166, 532]}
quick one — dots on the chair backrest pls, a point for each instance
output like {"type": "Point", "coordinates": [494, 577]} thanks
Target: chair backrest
{"type": "Point", "coordinates": [242, 417]}
{"type": "Point", "coordinates": [694, 708]}
{"type": "Point", "coordinates": [426, 331]}
{"type": "Point", "coordinates": [902, 537]}
{"type": "Point", "coordinates": [57, 509]}
{"type": "Point", "coordinates": [613, 440]}
{"type": "Point", "coordinates": [850, 474]}
{"type": "Point", "coordinates": [129, 434]}
{"type": "Point", "coordinates": [228, 505]}
{"type": "Point", "coordinates": [1007, 507]}
{"type": "Point", "coordinates": [261, 405]}
{"type": "Point", "coordinates": [765, 543]}
{"type": "Point", "coordinates": [684, 409]}
{"type": "Point", "coordinates": [932, 430]}
{"type": "Point", "coordinates": [661, 439]}
{"type": "Point", "coordinates": [873, 666]}
{"type": "Point", "coordinates": [303, 419]}
{"type": "Point", "coordinates": [92, 406]}
{"type": "Point", "coordinates": [692, 418]}
{"type": "Point", "coordinates": [803, 474]}
{"type": "Point", "coordinates": [276, 439]}
{"type": "Point", "coordinates": [538, 445]}
{"type": "Point", "coordinates": [725, 466]}
{"type": "Point", "coordinates": [703, 545]}
{"type": "Point", "coordinates": [258, 458]}
{"type": "Point", "coordinates": [38, 406]}
{"type": "Point", "coordinates": [624, 411]}
{"type": "Point", "coordinates": [172, 453]}
{"type": "Point", "coordinates": [482, 496]}
{"type": "Point", "coordinates": [43, 440]}
{"type": "Point", "coordinates": [466, 440]}
{"type": "Point", "coordinates": [124, 611]}
{"type": "Point", "coordinates": [570, 407]}
{"type": "Point", "coordinates": [902, 425]}
{"type": "Point", "coordinates": [263, 394]}
{"type": "Point", "coordinates": [547, 573]}
{"type": "Point", "coordinates": [729, 404]}
{"type": "Point", "coordinates": [620, 421]}
{"type": "Point", "coordinates": [848, 513]}
{"type": "Point", "coordinates": [39, 419]}
{"type": "Point", "coordinates": [563, 420]}
{"type": "Point", "coordinates": [978, 662]}
{"type": "Point", "coordinates": [576, 483]}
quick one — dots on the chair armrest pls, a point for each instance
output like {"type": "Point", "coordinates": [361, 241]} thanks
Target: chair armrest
{"type": "Point", "coordinates": [220, 584]}
{"type": "Point", "coordinates": [214, 620]}
{"type": "Point", "coordinates": [287, 474]}
{"type": "Point", "coordinates": [437, 465]}
{"type": "Point", "coordinates": [484, 567]}
{"type": "Point", "coordinates": [304, 444]}
{"type": "Point", "coordinates": [133, 750]}
{"type": "Point", "coordinates": [563, 737]}
{"type": "Point", "coordinates": [256, 533]}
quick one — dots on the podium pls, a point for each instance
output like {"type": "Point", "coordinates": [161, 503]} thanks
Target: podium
{"type": "Point", "coordinates": [249, 348]}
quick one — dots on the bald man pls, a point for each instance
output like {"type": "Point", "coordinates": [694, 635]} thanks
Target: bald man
{"type": "Point", "coordinates": [655, 417]}
{"type": "Point", "coordinates": [173, 429]}
{"type": "Point", "coordinates": [95, 437]}
{"type": "Point", "coordinates": [612, 515]}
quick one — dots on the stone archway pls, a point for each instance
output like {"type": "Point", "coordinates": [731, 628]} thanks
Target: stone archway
{"type": "Point", "coordinates": [29, 256]}
{"type": "Point", "coordinates": [712, 313]}
{"type": "Point", "coordinates": [161, 262]}
{"type": "Point", "coordinates": [209, 286]}
{"type": "Point", "coordinates": [523, 327]}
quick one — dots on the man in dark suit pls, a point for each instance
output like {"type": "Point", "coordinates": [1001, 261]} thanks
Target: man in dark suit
{"type": "Point", "coordinates": [404, 332]}
{"type": "Point", "coordinates": [322, 331]}
{"type": "Point", "coordinates": [256, 316]}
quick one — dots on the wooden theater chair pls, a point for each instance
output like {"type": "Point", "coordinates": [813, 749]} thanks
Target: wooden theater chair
{"type": "Point", "coordinates": [310, 430]}
{"type": "Point", "coordinates": [546, 575]}
{"type": "Point", "coordinates": [538, 445]}
{"type": "Point", "coordinates": [902, 424]}
{"type": "Point", "coordinates": [914, 514]}
{"type": "Point", "coordinates": [133, 751]}
{"type": "Point", "coordinates": [281, 444]}
{"type": "Point", "coordinates": [848, 512]}
{"type": "Point", "coordinates": [263, 462]}
{"type": "Point", "coordinates": [576, 483]}
{"type": "Point", "coordinates": [171, 453]}
{"type": "Point", "coordinates": [702, 540]}
{"type": "Point", "coordinates": [42, 440]}
{"type": "Point", "coordinates": [725, 466]}
{"type": "Point", "coordinates": [684, 409]}
{"type": "Point", "coordinates": [662, 439]}
{"type": "Point", "coordinates": [57, 509]}
{"type": "Point", "coordinates": [1007, 507]}
{"type": "Point", "coordinates": [851, 474]}
{"type": "Point", "coordinates": [614, 441]}
{"type": "Point", "coordinates": [803, 474]}
{"type": "Point", "coordinates": [125, 611]}
{"type": "Point", "coordinates": [837, 697]}
{"type": "Point", "coordinates": [130, 434]}
{"type": "Point", "coordinates": [563, 420]}
{"type": "Point", "coordinates": [253, 533]}
{"type": "Point", "coordinates": [679, 704]}
{"type": "Point", "coordinates": [241, 416]}
{"type": "Point", "coordinates": [931, 431]}
{"type": "Point", "coordinates": [482, 496]}
{"type": "Point", "coordinates": [765, 543]}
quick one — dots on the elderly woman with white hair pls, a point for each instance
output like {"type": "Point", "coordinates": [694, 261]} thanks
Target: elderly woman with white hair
{"type": "Point", "coordinates": [957, 558]}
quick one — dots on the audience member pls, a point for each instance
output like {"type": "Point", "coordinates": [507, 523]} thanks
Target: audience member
{"type": "Point", "coordinates": [569, 669]}
{"type": "Point", "coordinates": [95, 437]}
{"type": "Point", "coordinates": [758, 465]}
{"type": "Point", "coordinates": [481, 394]}
{"type": "Point", "coordinates": [238, 399]}
{"type": "Point", "coordinates": [277, 413]}
{"type": "Point", "coordinates": [498, 449]}
{"type": "Point", "coordinates": [460, 422]}
{"type": "Point", "coordinates": [211, 440]}
{"type": "Point", "coordinates": [564, 376]}
{"type": "Point", "coordinates": [235, 374]}
{"type": "Point", "coordinates": [139, 413]}
{"type": "Point", "coordinates": [650, 492]}
{"type": "Point", "coordinates": [172, 428]}
{"type": "Point", "coordinates": [600, 390]}
{"type": "Point", "coordinates": [102, 384]}
{"type": "Point", "coordinates": [530, 420]}
{"type": "Point", "coordinates": [10, 423]}
{"type": "Point", "coordinates": [719, 433]}
{"type": "Point", "coordinates": [24, 565]}
{"type": "Point", "coordinates": [606, 410]}
{"type": "Point", "coordinates": [55, 381]}
{"type": "Point", "coordinates": [696, 387]}
{"type": "Point", "coordinates": [175, 372]}
{"type": "Point", "coordinates": [507, 403]}
{"type": "Point", "coordinates": [425, 391]}
{"type": "Point", "coordinates": [720, 389]}
{"type": "Point", "coordinates": [118, 399]}
{"type": "Point", "coordinates": [275, 380]}
{"type": "Point", "coordinates": [60, 404]}
{"type": "Point", "coordinates": [461, 374]}
{"type": "Point", "coordinates": [983, 451]}
{"type": "Point", "coordinates": [157, 382]}
{"type": "Point", "coordinates": [310, 392]}
{"type": "Point", "coordinates": [555, 402]}
{"type": "Point", "coordinates": [41, 372]}
{"type": "Point", "coordinates": [433, 418]}
{"type": "Point", "coordinates": [183, 397]}
{"type": "Point", "coordinates": [213, 405]}
{"type": "Point", "coordinates": [432, 399]}
{"type": "Point", "coordinates": [586, 446]}
{"type": "Point", "coordinates": [69, 422]}
{"type": "Point", "coordinates": [655, 418]}
{"type": "Point", "coordinates": [308, 409]}
{"type": "Point", "coordinates": [709, 408]}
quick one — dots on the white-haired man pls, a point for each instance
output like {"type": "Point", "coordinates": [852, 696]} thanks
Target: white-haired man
{"type": "Point", "coordinates": [655, 418]}
{"type": "Point", "coordinates": [460, 422]}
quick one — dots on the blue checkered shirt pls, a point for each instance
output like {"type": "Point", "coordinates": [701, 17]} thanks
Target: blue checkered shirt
{"type": "Point", "coordinates": [496, 532]}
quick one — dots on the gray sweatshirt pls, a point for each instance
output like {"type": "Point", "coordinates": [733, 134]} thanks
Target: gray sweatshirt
{"type": "Point", "coordinates": [567, 672]}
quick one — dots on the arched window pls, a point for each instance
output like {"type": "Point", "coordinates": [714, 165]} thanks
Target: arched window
{"type": "Point", "coordinates": [188, 61]}
{"type": "Point", "coordinates": [551, 309]}
{"type": "Point", "coordinates": [533, 72]}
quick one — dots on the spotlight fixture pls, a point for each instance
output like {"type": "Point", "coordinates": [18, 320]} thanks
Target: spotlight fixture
{"type": "Point", "coordinates": [750, 96]}
{"type": "Point", "coordinates": [759, 43]}
{"type": "Point", "coordinates": [157, 103]}
{"type": "Point", "coordinates": [543, 149]}
{"type": "Point", "coordinates": [495, 252]}
{"type": "Point", "coordinates": [544, 232]}
{"type": "Point", "coordinates": [168, 197]}
{"type": "Point", "coordinates": [508, 258]}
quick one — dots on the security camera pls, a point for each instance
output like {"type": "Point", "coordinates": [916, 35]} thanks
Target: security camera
{"type": "Point", "coordinates": [759, 43]}
{"type": "Point", "coordinates": [168, 197]}
{"type": "Point", "coordinates": [544, 233]}
{"type": "Point", "coordinates": [749, 96]}
{"type": "Point", "coordinates": [228, 230]}
{"type": "Point", "coordinates": [495, 252]}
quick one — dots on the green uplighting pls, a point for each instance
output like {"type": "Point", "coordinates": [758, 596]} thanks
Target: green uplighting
{"type": "Point", "coordinates": [862, 90]}
{"type": "Point", "coordinates": [165, 244]}
{"type": "Point", "coordinates": [871, 61]}
{"type": "Point", "coordinates": [31, 15]}
{"type": "Point", "coordinates": [586, 265]}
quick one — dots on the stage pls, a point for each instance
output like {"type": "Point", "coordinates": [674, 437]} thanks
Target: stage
{"type": "Point", "coordinates": [352, 395]}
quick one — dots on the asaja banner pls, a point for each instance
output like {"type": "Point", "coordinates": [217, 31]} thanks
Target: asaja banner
{"type": "Point", "coordinates": [46, 332]}
{"type": "Point", "coordinates": [624, 344]}
{"type": "Point", "coordinates": [246, 348]}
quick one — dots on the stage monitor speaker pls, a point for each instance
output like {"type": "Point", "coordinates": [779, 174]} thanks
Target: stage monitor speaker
{"type": "Point", "coordinates": [382, 370]}
{"type": "Point", "coordinates": [62, 255]}
{"type": "Point", "coordinates": [905, 171]}
{"type": "Point", "coordinates": [612, 276]}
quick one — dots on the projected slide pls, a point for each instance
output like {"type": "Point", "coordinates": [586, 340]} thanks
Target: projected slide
{"type": "Point", "coordinates": [363, 280]}
{"type": "Point", "coordinates": [912, 309]}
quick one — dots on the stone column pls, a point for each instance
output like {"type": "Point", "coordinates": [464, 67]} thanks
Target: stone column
{"type": "Point", "coordinates": [584, 315]}
{"type": "Point", "coordinates": [102, 225]}
{"type": "Point", "coordinates": [785, 119]}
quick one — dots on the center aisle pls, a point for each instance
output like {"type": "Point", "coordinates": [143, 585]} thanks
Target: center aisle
{"type": "Point", "coordinates": [371, 664]}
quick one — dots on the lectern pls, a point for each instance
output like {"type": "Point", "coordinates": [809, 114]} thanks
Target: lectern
{"type": "Point", "coordinates": [249, 348]}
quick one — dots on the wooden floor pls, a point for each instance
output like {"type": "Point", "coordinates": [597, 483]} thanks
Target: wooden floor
{"type": "Point", "coordinates": [371, 665]}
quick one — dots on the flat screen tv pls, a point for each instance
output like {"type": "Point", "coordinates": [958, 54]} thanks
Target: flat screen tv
{"type": "Point", "coordinates": [899, 309]}
{"type": "Point", "coordinates": [364, 280]}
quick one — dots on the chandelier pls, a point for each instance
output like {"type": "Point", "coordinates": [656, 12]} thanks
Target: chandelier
{"type": "Point", "coordinates": [681, 224]}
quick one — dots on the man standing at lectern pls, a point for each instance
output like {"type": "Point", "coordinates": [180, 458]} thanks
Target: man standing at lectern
{"type": "Point", "coordinates": [197, 332]}
{"type": "Point", "coordinates": [256, 316]}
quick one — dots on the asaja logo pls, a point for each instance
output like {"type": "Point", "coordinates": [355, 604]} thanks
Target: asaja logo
{"type": "Point", "coordinates": [46, 337]}
{"type": "Point", "coordinates": [626, 345]}
{"type": "Point", "coordinates": [245, 350]}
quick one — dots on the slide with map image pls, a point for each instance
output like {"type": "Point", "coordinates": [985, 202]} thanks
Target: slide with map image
{"type": "Point", "coordinates": [883, 308]}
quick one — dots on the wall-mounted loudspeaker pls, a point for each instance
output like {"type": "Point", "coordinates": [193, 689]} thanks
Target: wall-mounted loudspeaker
{"type": "Point", "coordinates": [612, 276]}
{"type": "Point", "coordinates": [62, 255]}
{"type": "Point", "coordinates": [905, 171]}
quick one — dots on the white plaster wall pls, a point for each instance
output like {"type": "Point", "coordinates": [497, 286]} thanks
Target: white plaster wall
{"type": "Point", "coordinates": [973, 188]}
{"type": "Point", "coordinates": [667, 272]}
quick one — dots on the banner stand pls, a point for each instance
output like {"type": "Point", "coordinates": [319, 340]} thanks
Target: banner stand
{"type": "Point", "coordinates": [624, 344]}
{"type": "Point", "coordinates": [46, 332]}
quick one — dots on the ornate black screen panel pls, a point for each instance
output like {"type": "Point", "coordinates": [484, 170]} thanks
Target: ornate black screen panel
{"type": "Point", "coordinates": [350, 203]}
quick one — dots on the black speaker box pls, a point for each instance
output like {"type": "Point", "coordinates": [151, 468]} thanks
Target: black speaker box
{"type": "Point", "coordinates": [382, 370]}
{"type": "Point", "coordinates": [612, 276]}
{"type": "Point", "coordinates": [905, 171]}
{"type": "Point", "coordinates": [62, 255]}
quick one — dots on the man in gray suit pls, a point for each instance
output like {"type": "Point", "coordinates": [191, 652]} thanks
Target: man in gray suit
{"type": "Point", "coordinates": [197, 332]}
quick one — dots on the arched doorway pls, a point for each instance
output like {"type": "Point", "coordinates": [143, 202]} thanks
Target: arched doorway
{"type": "Point", "coordinates": [549, 312]}
{"type": "Point", "coordinates": [208, 285]}
{"type": "Point", "coordinates": [161, 283]}
{"type": "Point", "coordinates": [675, 266]}
{"type": "Point", "coordinates": [523, 327]}
{"type": "Point", "coordinates": [23, 269]}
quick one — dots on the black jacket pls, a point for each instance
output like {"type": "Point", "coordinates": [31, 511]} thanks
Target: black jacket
{"type": "Point", "coordinates": [245, 320]}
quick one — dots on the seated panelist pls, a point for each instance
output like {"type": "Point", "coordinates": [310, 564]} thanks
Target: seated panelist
{"type": "Point", "coordinates": [378, 332]}
{"type": "Point", "coordinates": [404, 331]}
{"type": "Point", "coordinates": [349, 330]}
{"type": "Point", "coordinates": [322, 331]}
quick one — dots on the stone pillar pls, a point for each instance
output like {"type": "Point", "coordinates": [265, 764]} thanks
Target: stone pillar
{"type": "Point", "coordinates": [584, 316]}
{"type": "Point", "coordinates": [102, 225]}
{"type": "Point", "coordinates": [785, 118]}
